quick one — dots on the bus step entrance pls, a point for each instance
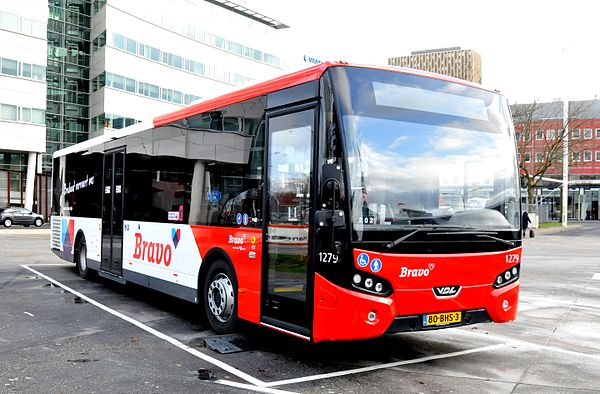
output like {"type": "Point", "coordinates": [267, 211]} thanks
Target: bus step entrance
{"type": "Point", "coordinates": [113, 277]}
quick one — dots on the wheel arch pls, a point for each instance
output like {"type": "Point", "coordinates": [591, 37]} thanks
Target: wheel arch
{"type": "Point", "coordinates": [80, 235]}
{"type": "Point", "coordinates": [211, 256]}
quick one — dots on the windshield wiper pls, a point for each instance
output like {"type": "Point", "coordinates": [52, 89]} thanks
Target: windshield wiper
{"type": "Point", "coordinates": [430, 227]}
{"type": "Point", "coordinates": [504, 241]}
{"type": "Point", "coordinates": [458, 230]}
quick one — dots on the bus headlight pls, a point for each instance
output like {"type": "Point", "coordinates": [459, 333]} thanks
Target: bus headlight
{"type": "Point", "coordinates": [372, 284]}
{"type": "Point", "coordinates": [507, 277]}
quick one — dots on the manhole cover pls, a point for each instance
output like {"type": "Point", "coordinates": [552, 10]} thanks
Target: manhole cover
{"type": "Point", "coordinates": [227, 344]}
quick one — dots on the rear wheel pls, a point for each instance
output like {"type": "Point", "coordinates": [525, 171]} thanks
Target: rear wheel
{"type": "Point", "coordinates": [220, 297]}
{"type": "Point", "coordinates": [38, 222]}
{"type": "Point", "coordinates": [8, 222]}
{"type": "Point", "coordinates": [84, 271]}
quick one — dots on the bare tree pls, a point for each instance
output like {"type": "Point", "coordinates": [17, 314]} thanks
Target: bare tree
{"type": "Point", "coordinates": [541, 133]}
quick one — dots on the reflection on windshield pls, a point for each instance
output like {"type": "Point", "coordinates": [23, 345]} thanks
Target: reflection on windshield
{"type": "Point", "coordinates": [410, 167]}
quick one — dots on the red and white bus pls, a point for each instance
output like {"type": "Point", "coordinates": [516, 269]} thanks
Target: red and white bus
{"type": "Point", "coordinates": [339, 202]}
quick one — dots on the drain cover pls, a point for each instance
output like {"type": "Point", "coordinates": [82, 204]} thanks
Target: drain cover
{"type": "Point", "coordinates": [227, 344]}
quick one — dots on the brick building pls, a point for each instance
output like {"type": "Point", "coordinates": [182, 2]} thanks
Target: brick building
{"type": "Point", "coordinates": [539, 133]}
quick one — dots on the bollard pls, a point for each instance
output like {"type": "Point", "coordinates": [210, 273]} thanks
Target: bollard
{"type": "Point", "coordinates": [531, 233]}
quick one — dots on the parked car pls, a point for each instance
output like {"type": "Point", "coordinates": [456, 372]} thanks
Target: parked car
{"type": "Point", "coordinates": [25, 217]}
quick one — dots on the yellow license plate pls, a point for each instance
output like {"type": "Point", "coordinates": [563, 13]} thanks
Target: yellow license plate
{"type": "Point", "coordinates": [441, 319]}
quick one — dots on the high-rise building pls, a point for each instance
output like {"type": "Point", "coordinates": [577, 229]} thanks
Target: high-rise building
{"type": "Point", "coordinates": [117, 62]}
{"type": "Point", "coordinates": [88, 67]}
{"type": "Point", "coordinates": [455, 62]}
{"type": "Point", "coordinates": [22, 100]}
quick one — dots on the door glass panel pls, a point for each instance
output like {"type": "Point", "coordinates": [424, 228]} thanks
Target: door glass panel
{"type": "Point", "coordinates": [107, 213]}
{"type": "Point", "coordinates": [289, 176]}
{"type": "Point", "coordinates": [117, 224]}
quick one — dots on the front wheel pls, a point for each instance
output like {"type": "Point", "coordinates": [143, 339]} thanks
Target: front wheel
{"type": "Point", "coordinates": [38, 222]}
{"type": "Point", "coordinates": [220, 297]}
{"type": "Point", "coordinates": [7, 222]}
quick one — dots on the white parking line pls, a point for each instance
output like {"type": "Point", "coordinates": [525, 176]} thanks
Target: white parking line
{"type": "Point", "coordinates": [383, 366]}
{"type": "Point", "coordinates": [596, 276]}
{"type": "Point", "coordinates": [171, 340]}
{"type": "Point", "coordinates": [249, 387]}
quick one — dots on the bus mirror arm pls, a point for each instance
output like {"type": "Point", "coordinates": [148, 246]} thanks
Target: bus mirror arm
{"type": "Point", "coordinates": [331, 176]}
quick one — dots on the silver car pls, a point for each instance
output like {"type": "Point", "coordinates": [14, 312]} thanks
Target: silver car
{"type": "Point", "coordinates": [22, 216]}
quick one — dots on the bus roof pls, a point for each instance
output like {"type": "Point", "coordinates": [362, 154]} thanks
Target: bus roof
{"type": "Point", "coordinates": [286, 81]}
{"type": "Point", "coordinates": [282, 82]}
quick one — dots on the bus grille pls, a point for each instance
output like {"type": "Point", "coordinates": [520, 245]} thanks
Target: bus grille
{"type": "Point", "coordinates": [55, 224]}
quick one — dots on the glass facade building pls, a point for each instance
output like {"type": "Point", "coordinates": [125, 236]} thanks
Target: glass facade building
{"type": "Point", "coordinates": [68, 75]}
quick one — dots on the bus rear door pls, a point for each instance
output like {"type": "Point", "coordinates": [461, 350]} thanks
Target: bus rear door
{"type": "Point", "coordinates": [112, 212]}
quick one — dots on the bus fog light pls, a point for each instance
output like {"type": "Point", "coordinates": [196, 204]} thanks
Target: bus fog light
{"type": "Point", "coordinates": [372, 316]}
{"type": "Point", "coordinates": [515, 271]}
{"type": "Point", "coordinates": [369, 283]}
{"type": "Point", "coordinates": [505, 305]}
{"type": "Point", "coordinates": [356, 279]}
{"type": "Point", "coordinates": [499, 280]}
{"type": "Point", "coordinates": [507, 275]}
{"type": "Point", "coordinates": [378, 287]}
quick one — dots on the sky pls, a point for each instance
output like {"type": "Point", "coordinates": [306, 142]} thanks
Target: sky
{"type": "Point", "coordinates": [531, 50]}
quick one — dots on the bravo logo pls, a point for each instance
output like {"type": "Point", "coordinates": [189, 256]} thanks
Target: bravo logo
{"type": "Point", "coordinates": [416, 273]}
{"type": "Point", "coordinates": [155, 252]}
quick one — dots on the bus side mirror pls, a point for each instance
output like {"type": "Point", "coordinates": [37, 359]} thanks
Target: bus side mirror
{"type": "Point", "coordinates": [331, 178]}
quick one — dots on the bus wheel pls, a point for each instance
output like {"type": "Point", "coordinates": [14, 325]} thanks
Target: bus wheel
{"type": "Point", "coordinates": [220, 297]}
{"type": "Point", "coordinates": [81, 257]}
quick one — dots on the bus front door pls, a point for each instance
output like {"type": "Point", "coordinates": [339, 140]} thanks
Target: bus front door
{"type": "Point", "coordinates": [112, 212]}
{"type": "Point", "coordinates": [287, 266]}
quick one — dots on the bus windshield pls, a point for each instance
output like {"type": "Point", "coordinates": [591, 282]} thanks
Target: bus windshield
{"type": "Point", "coordinates": [426, 152]}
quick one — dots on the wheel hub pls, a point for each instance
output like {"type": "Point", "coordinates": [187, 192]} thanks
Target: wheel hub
{"type": "Point", "coordinates": [221, 299]}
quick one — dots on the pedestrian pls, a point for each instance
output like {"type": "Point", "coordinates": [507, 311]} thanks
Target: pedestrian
{"type": "Point", "coordinates": [525, 223]}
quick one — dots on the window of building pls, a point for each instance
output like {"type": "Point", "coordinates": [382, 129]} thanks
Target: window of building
{"type": "Point", "coordinates": [9, 21]}
{"type": "Point", "coordinates": [172, 60]}
{"type": "Point", "coordinates": [587, 155]}
{"type": "Point", "coordinates": [528, 157]}
{"type": "Point", "coordinates": [550, 134]}
{"type": "Point", "coordinates": [539, 135]}
{"type": "Point", "coordinates": [518, 136]}
{"type": "Point", "coordinates": [149, 52]}
{"type": "Point", "coordinates": [130, 85]}
{"type": "Point", "coordinates": [576, 134]}
{"type": "Point", "coordinates": [539, 157]}
{"type": "Point", "coordinates": [10, 67]}
{"type": "Point", "coordinates": [26, 70]}
{"type": "Point", "coordinates": [587, 134]}
{"type": "Point", "coordinates": [8, 112]}
{"type": "Point", "coordinates": [26, 114]}
{"type": "Point", "coordinates": [576, 156]}
{"type": "Point", "coordinates": [598, 155]}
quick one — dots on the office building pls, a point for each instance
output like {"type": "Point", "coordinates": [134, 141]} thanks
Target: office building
{"type": "Point", "coordinates": [111, 63]}
{"type": "Point", "coordinates": [455, 62]}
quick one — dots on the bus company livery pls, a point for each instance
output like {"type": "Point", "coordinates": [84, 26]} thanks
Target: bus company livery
{"type": "Point", "coordinates": [339, 202]}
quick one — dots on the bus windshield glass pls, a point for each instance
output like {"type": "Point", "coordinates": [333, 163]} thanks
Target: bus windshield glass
{"type": "Point", "coordinates": [426, 152]}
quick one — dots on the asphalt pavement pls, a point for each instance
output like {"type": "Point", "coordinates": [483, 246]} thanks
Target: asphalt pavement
{"type": "Point", "coordinates": [62, 334]}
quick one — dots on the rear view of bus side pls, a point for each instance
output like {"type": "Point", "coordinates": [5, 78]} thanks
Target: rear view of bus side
{"type": "Point", "coordinates": [339, 202]}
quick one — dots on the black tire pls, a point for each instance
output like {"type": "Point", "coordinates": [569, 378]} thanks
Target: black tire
{"type": "Point", "coordinates": [7, 222]}
{"type": "Point", "coordinates": [38, 222]}
{"type": "Point", "coordinates": [220, 297]}
{"type": "Point", "coordinates": [81, 260]}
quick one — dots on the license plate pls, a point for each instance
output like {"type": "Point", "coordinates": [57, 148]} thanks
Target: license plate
{"type": "Point", "coordinates": [441, 319]}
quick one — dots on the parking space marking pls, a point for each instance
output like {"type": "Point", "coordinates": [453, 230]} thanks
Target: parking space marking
{"type": "Point", "coordinates": [156, 333]}
{"type": "Point", "coordinates": [513, 341]}
{"type": "Point", "coordinates": [251, 387]}
{"type": "Point", "coordinates": [383, 366]}
{"type": "Point", "coordinates": [596, 276]}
